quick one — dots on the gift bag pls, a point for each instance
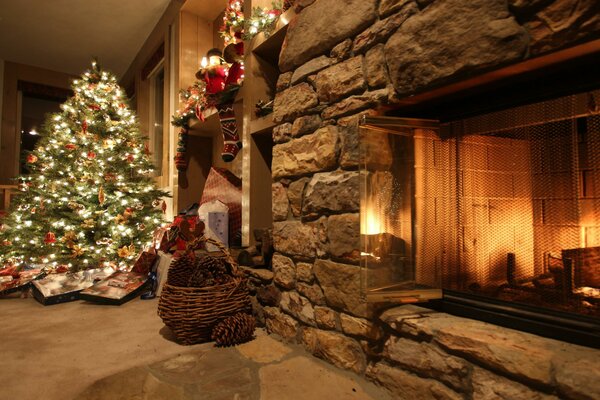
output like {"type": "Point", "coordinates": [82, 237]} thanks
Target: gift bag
{"type": "Point", "coordinates": [224, 186]}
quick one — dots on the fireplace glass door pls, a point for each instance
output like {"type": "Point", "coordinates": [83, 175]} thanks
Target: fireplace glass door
{"type": "Point", "coordinates": [504, 206]}
{"type": "Point", "coordinates": [395, 263]}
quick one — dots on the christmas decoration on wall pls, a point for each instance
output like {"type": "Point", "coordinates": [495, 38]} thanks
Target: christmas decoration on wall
{"type": "Point", "coordinates": [233, 22]}
{"type": "Point", "coordinates": [88, 168]}
{"type": "Point", "coordinates": [218, 82]}
{"type": "Point", "coordinates": [263, 20]}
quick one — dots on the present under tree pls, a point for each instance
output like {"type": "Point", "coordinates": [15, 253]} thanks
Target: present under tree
{"type": "Point", "coordinates": [89, 198]}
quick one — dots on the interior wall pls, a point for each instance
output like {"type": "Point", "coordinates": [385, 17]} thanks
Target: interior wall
{"type": "Point", "coordinates": [10, 138]}
{"type": "Point", "coordinates": [1, 91]}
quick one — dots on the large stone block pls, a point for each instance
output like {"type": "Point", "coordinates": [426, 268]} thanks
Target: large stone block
{"type": "Point", "coordinates": [356, 103]}
{"type": "Point", "coordinates": [280, 201]}
{"type": "Point", "coordinates": [360, 327]}
{"type": "Point", "coordinates": [268, 295]}
{"type": "Point", "coordinates": [342, 50]}
{"type": "Point", "coordinates": [304, 272]}
{"type": "Point", "coordinates": [310, 68]}
{"type": "Point", "coordinates": [341, 286]}
{"type": "Point", "coordinates": [580, 378]}
{"type": "Point", "coordinates": [386, 7]}
{"type": "Point", "coordinates": [344, 236]}
{"type": "Point", "coordinates": [326, 318]}
{"type": "Point", "coordinates": [283, 81]}
{"type": "Point", "coordinates": [431, 48]}
{"type": "Point", "coordinates": [340, 80]}
{"type": "Point", "coordinates": [310, 153]}
{"type": "Point", "coordinates": [313, 292]}
{"type": "Point", "coordinates": [381, 30]}
{"type": "Point", "coordinates": [296, 195]}
{"type": "Point", "coordinates": [500, 349]}
{"type": "Point", "coordinates": [306, 124]}
{"type": "Point", "coordinates": [282, 133]}
{"type": "Point", "coordinates": [332, 191]}
{"type": "Point", "coordinates": [375, 67]}
{"type": "Point", "coordinates": [280, 323]}
{"type": "Point", "coordinates": [293, 102]}
{"type": "Point", "coordinates": [404, 385]}
{"type": "Point", "coordinates": [321, 26]}
{"type": "Point", "coordinates": [295, 238]}
{"type": "Point", "coordinates": [338, 349]}
{"type": "Point", "coordinates": [427, 360]}
{"type": "Point", "coordinates": [564, 22]}
{"type": "Point", "coordinates": [284, 271]}
{"type": "Point", "coordinates": [348, 129]}
{"type": "Point", "coordinates": [488, 386]}
{"type": "Point", "coordinates": [298, 306]}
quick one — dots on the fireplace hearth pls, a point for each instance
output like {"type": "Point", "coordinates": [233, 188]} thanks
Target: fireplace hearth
{"type": "Point", "coordinates": [495, 215]}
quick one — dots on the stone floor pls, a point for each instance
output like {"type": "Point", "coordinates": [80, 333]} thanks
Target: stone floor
{"type": "Point", "coordinates": [263, 369]}
{"type": "Point", "coordinates": [86, 351]}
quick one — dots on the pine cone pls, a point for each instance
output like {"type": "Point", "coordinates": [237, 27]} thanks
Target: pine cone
{"type": "Point", "coordinates": [236, 329]}
{"type": "Point", "coordinates": [209, 271]}
{"type": "Point", "coordinates": [181, 270]}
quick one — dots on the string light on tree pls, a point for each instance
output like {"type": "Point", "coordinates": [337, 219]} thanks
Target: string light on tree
{"type": "Point", "coordinates": [87, 153]}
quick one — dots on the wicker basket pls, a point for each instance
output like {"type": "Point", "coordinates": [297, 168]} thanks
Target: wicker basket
{"type": "Point", "coordinates": [192, 312]}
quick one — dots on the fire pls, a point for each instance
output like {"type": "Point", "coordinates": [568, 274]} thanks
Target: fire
{"type": "Point", "coordinates": [372, 223]}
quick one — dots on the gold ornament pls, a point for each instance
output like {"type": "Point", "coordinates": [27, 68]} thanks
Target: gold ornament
{"type": "Point", "coordinates": [101, 195]}
{"type": "Point", "coordinates": [104, 241]}
{"type": "Point", "coordinates": [69, 236]}
{"type": "Point", "coordinates": [126, 251]}
{"type": "Point", "coordinates": [76, 251]}
{"type": "Point", "coordinates": [142, 227]}
{"type": "Point", "coordinates": [88, 223]}
{"type": "Point", "coordinates": [120, 219]}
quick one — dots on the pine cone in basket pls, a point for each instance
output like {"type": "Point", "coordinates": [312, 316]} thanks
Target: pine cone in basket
{"type": "Point", "coordinates": [236, 329]}
{"type": "Point", "coordinates": [181, 270]}
{"type": "Point", "coordinates": [210, 271]}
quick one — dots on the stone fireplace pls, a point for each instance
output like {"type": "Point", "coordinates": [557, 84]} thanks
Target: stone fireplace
{"type": "Point", "coordinates": [499, 211]}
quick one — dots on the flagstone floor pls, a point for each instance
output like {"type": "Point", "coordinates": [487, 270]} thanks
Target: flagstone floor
{"type": "Point", "coordinates": [85, 351]}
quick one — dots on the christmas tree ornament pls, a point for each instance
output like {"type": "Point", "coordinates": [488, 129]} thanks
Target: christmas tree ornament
{"type": "Point", "coordinates": [31, 158]}
{"type": "Point", "coordinates": [101, 196]}
{"type": "Point", "coordinates": [91, 155]}
{"type": "Point", "coordinates": [88, 223]}
{"type": "Point", "coordinates": [76, 251]}
{"type": "Point", "coordinates": [50, 238]}
{"type": "Point", "coordinates": [69, 236]}
{"type": "Point", "coordinates": [70, 146]}
{"type": "Point", "coordinates": [236, 329]}
{"type": "Point", "coordinates": [156, 203]}
{"type": "Point", "coordinates": [84, 126]}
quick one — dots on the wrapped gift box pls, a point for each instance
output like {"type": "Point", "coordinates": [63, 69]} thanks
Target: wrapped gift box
{"type": "Point", "coordinates": [223, 185]}
{"type": "Point", "coordinates": [116, 289]}
{"type": "Point", "coordinates": [61, 288]}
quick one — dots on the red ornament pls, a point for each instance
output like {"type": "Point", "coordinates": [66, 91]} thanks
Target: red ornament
{"type": "Point", "coordinates": [84, 126]}
{"type": "Point", "coordinates": [129, 210]}
{"type": "Point", "coordinates": [70, 146]}
{"type": "Point", "coordinates": [61, 268]}
{"type": "Point", "coordinates": [50, 238]}
{"type": "Point", "coordinates": [164, 207]}
{"type": "Point", "coordinates": [94, 107]}
{"type": "Point", "coordinates": [130, 158]}
{"type": "Point", "coordinates": [31, 158]}
{"type": "Point", "coordinates": [91, 155]}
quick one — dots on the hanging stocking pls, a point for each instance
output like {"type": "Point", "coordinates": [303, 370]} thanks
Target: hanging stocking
{"type": "Point", "coordinates": [231, 139]}
{"type": "Point", "coordinates": [181, 162]}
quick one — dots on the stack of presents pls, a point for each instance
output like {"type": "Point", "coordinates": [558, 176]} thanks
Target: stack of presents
{"type": "Point", "coordinates": [217, 216]}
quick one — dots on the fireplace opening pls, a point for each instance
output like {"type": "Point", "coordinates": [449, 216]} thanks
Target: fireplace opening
{"type": "Point", "coordinates": [496, 214]}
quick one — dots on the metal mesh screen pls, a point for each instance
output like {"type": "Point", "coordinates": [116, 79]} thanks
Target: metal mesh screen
{"type": "Point", "coordinates": [527, 210]}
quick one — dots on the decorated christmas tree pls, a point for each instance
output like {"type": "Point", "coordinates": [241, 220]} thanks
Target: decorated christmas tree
{"type": "Point", "coordinates": [89, 199]}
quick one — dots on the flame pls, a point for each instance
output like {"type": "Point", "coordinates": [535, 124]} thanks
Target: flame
{"type": "Point", "coordinates": [373, 223]}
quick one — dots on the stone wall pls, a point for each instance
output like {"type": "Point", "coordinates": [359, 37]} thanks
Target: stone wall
{"type": "Point", "coordinates": [343, 59]}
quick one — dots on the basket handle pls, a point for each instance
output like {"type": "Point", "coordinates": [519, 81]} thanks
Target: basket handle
{"type": "Point", "coordinates": [196, 243]}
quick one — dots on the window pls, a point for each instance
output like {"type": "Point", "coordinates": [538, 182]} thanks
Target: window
{"type": "Point", "coordinates": [156, 127]}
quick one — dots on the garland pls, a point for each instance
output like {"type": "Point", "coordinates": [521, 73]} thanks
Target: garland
{"type": "Point", "coordinates": [233, 22]}
{"type": "Point", "coordinates": [262, 20]}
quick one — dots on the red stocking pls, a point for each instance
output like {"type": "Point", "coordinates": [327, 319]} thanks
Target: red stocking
{"type": "Point", "coordinates": [231, 139]}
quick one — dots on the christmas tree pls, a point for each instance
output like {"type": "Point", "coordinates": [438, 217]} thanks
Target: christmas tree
{"type": "Point", "coordinates": [89, 199]}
